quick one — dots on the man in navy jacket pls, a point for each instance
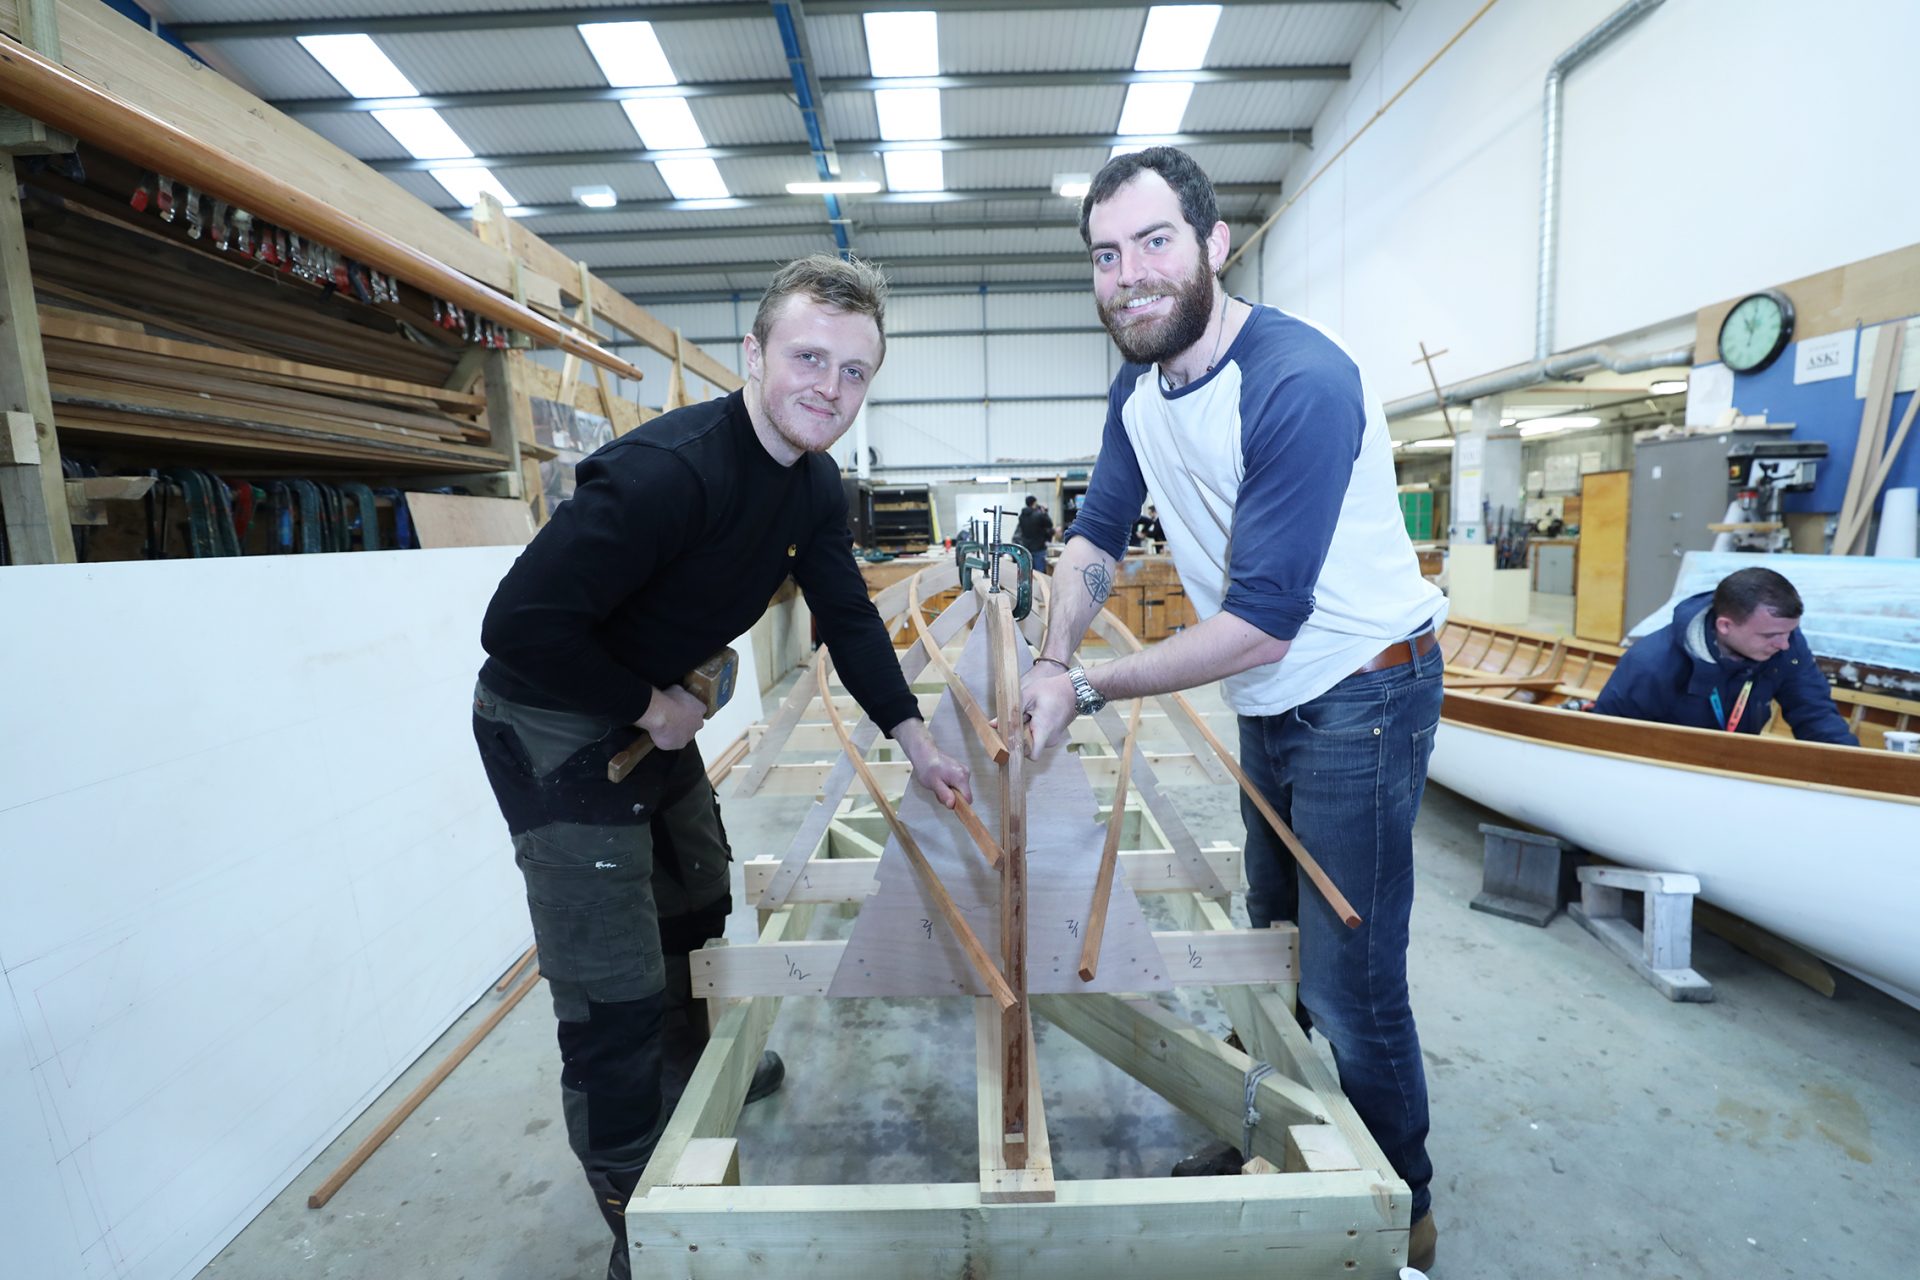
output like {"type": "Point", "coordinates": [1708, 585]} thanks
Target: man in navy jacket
{"type": "Point", "coordinates": [1726, 657]}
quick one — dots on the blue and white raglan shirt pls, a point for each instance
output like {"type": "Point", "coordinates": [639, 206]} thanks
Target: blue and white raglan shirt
{"type": "Point", "coordinates": [1274, 479]}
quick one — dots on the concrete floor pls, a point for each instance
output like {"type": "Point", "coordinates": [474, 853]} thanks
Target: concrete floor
{"type": "Point", "coordinates": [1582, 1125]}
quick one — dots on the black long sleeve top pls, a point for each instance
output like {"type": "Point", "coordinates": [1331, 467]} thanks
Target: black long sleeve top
{"type": "Point", "coordinates": [675, 539]}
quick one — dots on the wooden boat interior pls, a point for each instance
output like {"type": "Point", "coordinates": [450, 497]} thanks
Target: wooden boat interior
{"type": "Point", "coordinates": [1514, 664]}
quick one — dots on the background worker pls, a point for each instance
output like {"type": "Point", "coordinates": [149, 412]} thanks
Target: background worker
{"type": "Point", "coordinates": [1283, 518]}
{"type": "Point", "coordinates": [1035, 531]}
{"type": "Point", "coordinates": [1147, 530]}
{"type": "Point", "coordinates": [677, 536]}
{"type": "Point", "coordinates": [1726, 657]}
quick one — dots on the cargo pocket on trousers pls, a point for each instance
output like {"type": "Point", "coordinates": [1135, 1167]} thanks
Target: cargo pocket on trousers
{"type": "Point", "coordinates": [592, 927]}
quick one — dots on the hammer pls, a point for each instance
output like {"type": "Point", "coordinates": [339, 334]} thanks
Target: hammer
{"type": "Point", "coordinates": [711, 682]}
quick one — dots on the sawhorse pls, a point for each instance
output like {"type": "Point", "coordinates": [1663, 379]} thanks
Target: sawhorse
{"type": "Point", "coordinates": [1661, 950]}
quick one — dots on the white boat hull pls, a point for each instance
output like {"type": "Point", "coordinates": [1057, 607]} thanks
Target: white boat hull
{"type": "Point", "coordinates": [1838, 873]}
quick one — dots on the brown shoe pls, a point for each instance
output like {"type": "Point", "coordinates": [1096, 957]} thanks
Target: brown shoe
{"type": "Point", "coordinates": [1420, 1243]}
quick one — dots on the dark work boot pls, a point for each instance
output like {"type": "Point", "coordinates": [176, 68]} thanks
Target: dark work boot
{"type": "Point", "coordinates": [1212, 1160]}
{"type": "Point", "coordinates": [611, 1191]}
{"type": "Point", "coordinates": [684, 1034]}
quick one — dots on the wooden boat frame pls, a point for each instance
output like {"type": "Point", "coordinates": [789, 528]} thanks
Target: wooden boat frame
{"type": "Point", "coordinates": [1325, 1202]}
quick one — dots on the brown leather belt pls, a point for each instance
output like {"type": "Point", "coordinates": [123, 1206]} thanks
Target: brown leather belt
{"type": "Point", "coordinates": [1398, 653]}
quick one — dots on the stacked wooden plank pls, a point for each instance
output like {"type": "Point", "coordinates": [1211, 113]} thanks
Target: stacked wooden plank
{"type": "Point", "coordinates": [113, 380]}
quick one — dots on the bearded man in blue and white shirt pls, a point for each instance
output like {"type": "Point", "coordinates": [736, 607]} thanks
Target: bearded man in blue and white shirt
{"type": "Point", "coordinates": [1270, 463]}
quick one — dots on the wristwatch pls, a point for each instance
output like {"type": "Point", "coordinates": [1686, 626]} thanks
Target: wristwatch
{"type": "Point", "coordinates": [1085, 696]}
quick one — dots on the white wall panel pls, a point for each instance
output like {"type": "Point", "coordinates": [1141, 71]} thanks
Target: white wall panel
{"type": "Point", "coordinates": [223, 946]}
{"type": "Point", "coordinates": [910, 311]}
{"type": "Point", "coordinates": [1046, 431]}
{"type": "Point", "coordinates": [1043, 310]}
{"type": "Point", "coordinates": [1047, 365]}
{"type": "Point", "coordinates": [925, 368]}
{"type": "Point", "coordinates": [927, 434]}
{"type": "Point", "coordinates": [1427, 230]}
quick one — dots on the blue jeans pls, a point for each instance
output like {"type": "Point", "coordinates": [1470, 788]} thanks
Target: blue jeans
{"type": "Point", "coordinates": [1345, 771]}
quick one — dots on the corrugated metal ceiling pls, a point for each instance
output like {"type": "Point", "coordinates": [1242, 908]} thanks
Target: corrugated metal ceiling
{"type": "Point", "coordinates": [1037, 40]}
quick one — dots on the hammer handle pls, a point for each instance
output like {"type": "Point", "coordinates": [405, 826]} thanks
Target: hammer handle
{"type": "Point", "coordinates": [622, 765]}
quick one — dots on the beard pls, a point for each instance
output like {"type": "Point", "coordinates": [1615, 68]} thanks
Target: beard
{"type": "Point", "coordinates": [782, 419]}
{"type": "Point", "coordinates": [1155, 341]}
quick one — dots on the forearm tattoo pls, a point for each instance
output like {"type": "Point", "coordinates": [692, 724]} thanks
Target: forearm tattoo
{"type": "Point", "coordinates": [1099, 580]}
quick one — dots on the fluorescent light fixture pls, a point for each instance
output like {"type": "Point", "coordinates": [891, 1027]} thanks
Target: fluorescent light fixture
{"type": "Point", "coordinates": [903, 44]}
{"type": "Point", "coordinates": [1155, 108]}
{"type": "Point", "coordinates": [596, 197]}
{"type": "Point", "coordinates": [1509, 422]}
{"type": "Point", "coordinates": [693, 179]}
{"type": "Point", "coordinates": [915, 170]}
{"type": "Point", "coordinates": [1176, 37]}
{"type": "Point", "coordinates": [629, 53]}
{"type": "Point", "coordinates": [1668, 387]}
{"type": "Point", "coordinates": [424, 134]}
{"type": "Point", "coordinates": [359, 65]}
{"type": "Point", "coordinates": [1432, 442]}
{"type": "Point", "coordinates": [468, 184]}
{"type": "Point", "coordinates": [1071, 185]}
{"type": "Point", "coordinates": [908, 115]}
{"type": "Point", "coordinates": [664, 124]}
{"type": "Point", "coordinates": [844, 187]}
{"type": "Point", "coordinates": [1548, 426]}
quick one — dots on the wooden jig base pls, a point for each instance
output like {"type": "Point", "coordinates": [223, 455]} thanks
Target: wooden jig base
{"type": "Point", "coordinates": [1335, 1208]}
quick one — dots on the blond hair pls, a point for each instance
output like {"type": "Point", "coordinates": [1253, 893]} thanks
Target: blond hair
{"type": "Point", "coordinates": [843, 284]}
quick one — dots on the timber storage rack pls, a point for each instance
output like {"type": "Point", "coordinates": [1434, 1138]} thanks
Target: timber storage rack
{"type": "Point", "coordinates": [186, 300]}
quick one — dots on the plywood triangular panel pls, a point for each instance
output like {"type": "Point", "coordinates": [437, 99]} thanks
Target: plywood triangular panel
{"type": "Point", "coordinates": [901, 946]}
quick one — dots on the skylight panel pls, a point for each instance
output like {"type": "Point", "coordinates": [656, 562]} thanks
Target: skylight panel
{"type": "Point", "coordinates": [468, 184]}
{"type": "Point", "coordinates": [629, 53]}
{"type": "Point", "coordinates": [360, 66]}
{"type": "Point", "coordinates": [693, 179]}
{"type": "Point", "coordinates": [915, 170]}
{"type": "Point", "coordinates": [908, 115]}
{"type": "Point", "coordinates": [423, 133]}
{"type": "Point", "coordinates": [1176, 37]}
{"type": "Point", "coordinates": [1155, 108]}
{"type": "Point", "coordinates": [903, 44]}
{"type": "Point", "coordinates": [664, 124]}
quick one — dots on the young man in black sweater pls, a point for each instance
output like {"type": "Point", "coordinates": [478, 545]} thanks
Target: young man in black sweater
{"type": "Point", "coordinates": [675, 539]}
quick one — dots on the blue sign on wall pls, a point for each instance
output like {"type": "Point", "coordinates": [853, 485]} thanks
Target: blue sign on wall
{"type": "Point", "coordinates": [1829, 411]}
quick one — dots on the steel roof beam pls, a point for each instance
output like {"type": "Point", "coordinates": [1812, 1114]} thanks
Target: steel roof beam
{"type": "Point", "coordinates": [893, 290]}
{"type": "Point", "coordinates": [1016, 142]}
{"type": "Point", "coordinates": [892, 262]}
{"type": "Point", "coordinates": [696, 232]}
{"type": "Point", "coordinates": [1226, 190]}
{"type": "Point", "coordinates": [522, 19]}
{"type": "Point", "coordinates": [784, 88]}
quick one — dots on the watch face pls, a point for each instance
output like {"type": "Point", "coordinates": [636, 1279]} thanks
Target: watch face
{"type": "Point", "coordinates": [1755, 332]}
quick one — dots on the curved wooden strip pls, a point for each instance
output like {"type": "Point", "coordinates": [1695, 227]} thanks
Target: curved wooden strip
{"type": "Point", "coordinates": [1109, 856]}
{"type": "Point", "coordinates": [962, 696]}
{"type": "Point", "coordinates": [1117, 633]}
{"type": "Point", "coordinates": [989, 847]}
{"type": "Point", "coordinates": [969, 942]}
